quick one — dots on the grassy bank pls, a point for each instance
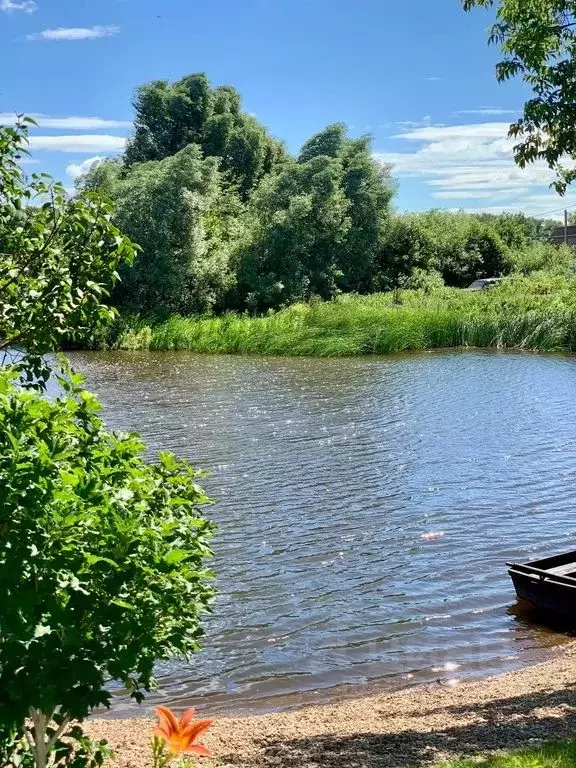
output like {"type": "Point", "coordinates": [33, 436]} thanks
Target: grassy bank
{"type": "Point", "coordinates": [536, 313]}
{"type": "Point", "coordinates": [554, 755]}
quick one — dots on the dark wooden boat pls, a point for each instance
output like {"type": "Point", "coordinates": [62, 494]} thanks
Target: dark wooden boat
{"type": "Point", "coordinates": [549, 584]}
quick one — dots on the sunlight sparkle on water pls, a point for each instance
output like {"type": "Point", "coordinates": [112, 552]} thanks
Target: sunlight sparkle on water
{"type": "Point", "coordinates": [432, 535]}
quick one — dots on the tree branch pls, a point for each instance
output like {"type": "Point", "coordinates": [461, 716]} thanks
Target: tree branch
{"type": "Point", "coordinates": [60, 730]}
{"type": "Point", "coordinates": [12, 341]}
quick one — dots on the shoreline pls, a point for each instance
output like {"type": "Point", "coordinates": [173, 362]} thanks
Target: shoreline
{"type": "Point", "coordinates": [412, 727]}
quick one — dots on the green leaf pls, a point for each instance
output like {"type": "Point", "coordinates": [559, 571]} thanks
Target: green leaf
{"type": "Point", "coordinates": [42, 630]}
{"type": "Point", "coordinates": [123, 604]}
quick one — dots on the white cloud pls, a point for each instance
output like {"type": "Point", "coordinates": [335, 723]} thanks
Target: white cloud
{"type": "Point", "coordinates": [542, 211]}
{"type": "Point", "coordinates": [410, 124]}
{"type": "Point", "coordinates": [474, 131]}
{"type": "Point", "coordinates": [488, 111]}
{"type": "Point", "coordinates": [433, 79]}
{"type": "Point", "coordinates": [474, 194]}
{"type": "Point", "coordinates": [28, 6]}
{"type": "Point", "coordinates": [75, 33]}
{"type": "Point", "coordinates": [473, 162]}
{"type": "Point", "coordinates": [67, 123]}
{"type": "Point", "coordinates": [79, 169]}
{"type": "Point", "coordinates": [88, 143]}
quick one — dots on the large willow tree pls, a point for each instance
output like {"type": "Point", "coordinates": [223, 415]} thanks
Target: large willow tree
{"type": "Point", "coordinates": [170, 116]}
{"type": "Point", "coordinates": [317, 226]}
{"type": "Point", "coordinates": [226, 218]}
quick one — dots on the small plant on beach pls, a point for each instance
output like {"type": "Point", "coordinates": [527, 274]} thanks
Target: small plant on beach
{"type": "Point", "coordinates": [174, 737]}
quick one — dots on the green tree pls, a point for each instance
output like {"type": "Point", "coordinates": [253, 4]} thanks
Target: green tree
{"type": "Point", "coordinates": [517, 230]}
{"type": "Point", "coordinates": [170, 116]}
{"type": "Point", "coordinates": [102, 553]}
{"type": "Point", "coordinates": [327, 143]}
{"type": "Point", "coordinates": [406, 248]}
{"type": "Point", "coordinates": [300, 222]}
{"type": "Point", "coordinates": [459, 246]}
{"type": "Point", "coordinates": [538, 40]}
{"type": "Point", "coordinates": [368, 189]}
{"type": "Point", "coordinates": [102, 177]}
{"type": "Point", "coordinates": [101, 568]}
{"type": "Point", "coordinates": [318, 223]}
{"type": "Point", "coordinates": [176, 210]}
{"type": "Point", "coordinates": [59, 258]}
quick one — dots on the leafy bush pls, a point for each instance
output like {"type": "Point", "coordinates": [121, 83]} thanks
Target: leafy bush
{"type": "Point", "coordinates": [58, 260]}
{"type": "Point", "coordinates": [424, 280]}
{"type": "Point", "coordinates": [101, 563]}
{"type": "Point", "coordinates": [544, 257]}
{"type": "Point", "coordinates": [101, 553]}
{"type": "Point", "coordinates": [460, 246]}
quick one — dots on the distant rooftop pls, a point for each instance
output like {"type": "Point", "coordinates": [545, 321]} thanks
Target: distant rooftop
{"type": "Point", "coordinates": [558, 235]}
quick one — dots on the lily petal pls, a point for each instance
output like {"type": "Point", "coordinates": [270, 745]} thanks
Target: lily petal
{"type": "Point", "coordinates": [187, 717]}
{"type": "Point", "coordinates": [199, 749]}
{"type": "Point", "coordinates": [167, 719]}
{"type": "Point", "coordinates": [162, 733]}
{"type": "Point", "coordinates": [196, 729]}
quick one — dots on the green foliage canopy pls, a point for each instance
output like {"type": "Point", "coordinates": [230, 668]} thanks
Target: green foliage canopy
{"type": "Point", "coordinates": [101, 557]}
{"type": "Point", "coordinates": [101, 552]}
{"type": "Point", "coordinates": [538, 40]}
{"type": "Point", "coordinates": [58, 259]}
{"type": "Point", "coordinates": [169, 117]}
{"type": "Point", "coordinates": [318, 223]}
{"type": "Point", "coordinates": [174, 209]}
{"type": "Point", "coordinates": [460, 247]}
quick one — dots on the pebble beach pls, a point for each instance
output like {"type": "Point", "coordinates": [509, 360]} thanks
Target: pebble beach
{"type": "Point", "coordinates": [415, 727]}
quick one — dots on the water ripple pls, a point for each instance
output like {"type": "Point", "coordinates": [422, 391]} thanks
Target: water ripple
{"type": "Point", "coordinates": [366, 509]}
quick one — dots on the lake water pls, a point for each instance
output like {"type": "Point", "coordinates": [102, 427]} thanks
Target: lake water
{"type": "Point", "coordinates": [367, 508]}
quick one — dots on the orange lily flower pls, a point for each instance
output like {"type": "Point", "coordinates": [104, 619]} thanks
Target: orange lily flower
{"type": "Point", "coordinates": [180, 736]}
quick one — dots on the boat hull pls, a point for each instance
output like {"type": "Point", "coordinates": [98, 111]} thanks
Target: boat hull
{"type": "Point", "coordinates": [546, 594]}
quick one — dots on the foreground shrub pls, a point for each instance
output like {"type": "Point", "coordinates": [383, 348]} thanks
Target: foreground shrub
{"type": "Point", "coordinates": [58, 260]}
{"type": "Point", "coordinates": [102, 568]}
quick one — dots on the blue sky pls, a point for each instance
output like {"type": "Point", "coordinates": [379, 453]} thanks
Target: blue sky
{"type": "Point", "coordinates": [416, 74]}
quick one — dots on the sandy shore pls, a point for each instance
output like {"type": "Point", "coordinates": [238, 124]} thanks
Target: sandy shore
{"type": "Point", "coordinates": [411, 728]}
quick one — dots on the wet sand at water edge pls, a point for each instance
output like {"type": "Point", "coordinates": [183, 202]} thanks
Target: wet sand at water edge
{"type": "Point", "coordinates": [414, 727]}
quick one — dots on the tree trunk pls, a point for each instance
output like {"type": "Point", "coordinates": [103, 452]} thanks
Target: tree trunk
{"type": "Point", "coordinates": [40, 721]}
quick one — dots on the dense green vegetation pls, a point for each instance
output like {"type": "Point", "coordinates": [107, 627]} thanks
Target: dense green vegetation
{"type": "Point", "coordinates": [536, 312]}
{"type": "Point", "coordinates": [553, 755]}
{"type": "Point", "coordinates": [228, 220]}
{"type": "Point", "coordinates": [102, 552]}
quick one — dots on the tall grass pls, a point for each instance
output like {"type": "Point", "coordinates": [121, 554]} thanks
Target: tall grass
{"type": "Point", "coordinates": [537, 313]}
{"type": "Point", "coordinates": [552, 755]}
